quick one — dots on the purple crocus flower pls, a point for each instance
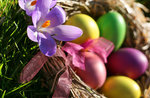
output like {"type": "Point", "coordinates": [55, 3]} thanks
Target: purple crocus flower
{"type": "Point", "coordinates": [30, 5]}
{"type": "Point", "coordinates": [47, 27]}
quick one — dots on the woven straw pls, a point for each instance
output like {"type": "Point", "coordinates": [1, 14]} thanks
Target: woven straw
{"type": "Point", "coordinates": [137, 37]}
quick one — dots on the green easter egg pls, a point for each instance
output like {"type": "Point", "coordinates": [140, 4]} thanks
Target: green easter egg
{"type": "Point", "coordinates": [113, 27]}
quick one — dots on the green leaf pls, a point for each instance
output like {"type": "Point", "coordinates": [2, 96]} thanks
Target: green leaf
{"type": "Point", "coordinates": [17, 88]}
{"type": "Point", "coordinates": [4, 93]}
{"type": "Point", "coordinates": [1, 66]}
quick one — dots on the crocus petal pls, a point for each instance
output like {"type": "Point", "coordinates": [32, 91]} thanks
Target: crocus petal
{"type": "Point", "coordinates": [75, 50]}
{"type": "Point", "coordinates": [43, 6]}
{"type": "Point", "coordinates": [57, 16]}
{"type": "Point", "coordinates": [22, 3]}
{"type": "Point", "coordinates": [66, 32]}
{"type": "Point", "coordinates": [47, 44]}
{"type": "Point", "coordinates": [29, 12]}
{"type": "Point", "coordinates": [53, 3]}
{"type": "Point", "coordinates": [36, 15]}
{"type": "Point", "coordinates": [29, 8]}
{"type": "Point", "coordinates": [32, 33]}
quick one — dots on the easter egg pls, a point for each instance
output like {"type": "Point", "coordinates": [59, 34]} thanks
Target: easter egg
{"type": "Point", "coordinates": [112, 27]}
{"type": "Point", "coordinates": [87, 24]}
{"type": "Point", "coordinates": [94, 74]}
{"type": "Point", "coordinates": [127, 61]}
{"type": "Point", "coordinates": [121, 87]}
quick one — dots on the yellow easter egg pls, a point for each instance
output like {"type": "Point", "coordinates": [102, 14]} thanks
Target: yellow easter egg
{"type": "Point", "coordinates": [121, 87]}
{"type": "Point", "coordinates": [87, 24]}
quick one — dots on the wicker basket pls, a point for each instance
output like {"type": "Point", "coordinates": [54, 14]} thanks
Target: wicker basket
{"type": "Point", "coordinates": [137, 37]}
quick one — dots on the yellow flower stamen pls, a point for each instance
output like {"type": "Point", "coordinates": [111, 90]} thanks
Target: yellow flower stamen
{"type": "Point", "coordinates": [46, 24]}
{"type": "Point", "coordinates": [33, 2]}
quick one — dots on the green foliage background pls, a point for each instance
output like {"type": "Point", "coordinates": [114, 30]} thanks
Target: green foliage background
{"type": "Point", "coordinates": [16, 50]}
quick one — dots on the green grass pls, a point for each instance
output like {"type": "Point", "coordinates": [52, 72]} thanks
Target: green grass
{"type": "Point", "coordinates": [15, 52]}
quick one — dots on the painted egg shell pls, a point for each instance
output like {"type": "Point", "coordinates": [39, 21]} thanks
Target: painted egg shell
{"type": "Point", "coordinates": [113, 27]}
{"type": "Point", "coordinates": [121, 87]}
{"type": "Point", "coordinates": [127, 61]}
{"type": "Point", "coordinates": [94, 74]}
{"type": "Point", "coordinates": [87, 24]}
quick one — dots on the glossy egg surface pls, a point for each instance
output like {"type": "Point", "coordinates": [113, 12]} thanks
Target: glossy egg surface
{"type": "Point", "coordinates": [113, 27]}
{"type": "Point", "coordinates": [94, 74]}
{"type": "Point", "coordinates": [127, 61]}
{"type": "Point", "coordinates": [87, 24]}
{"type": "Point", "coordinates": [121, 87]}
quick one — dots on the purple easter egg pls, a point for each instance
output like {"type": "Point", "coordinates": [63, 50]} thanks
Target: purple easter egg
{"type": "Point", "coordinates": [127, 61]}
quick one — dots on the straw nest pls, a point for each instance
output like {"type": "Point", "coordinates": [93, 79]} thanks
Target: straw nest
{"type": "Point", "coordinates": [137, 37]}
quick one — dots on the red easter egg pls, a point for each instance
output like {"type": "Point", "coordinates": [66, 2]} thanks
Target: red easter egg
{"type": "Point", "coordinates": [94, 74]}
